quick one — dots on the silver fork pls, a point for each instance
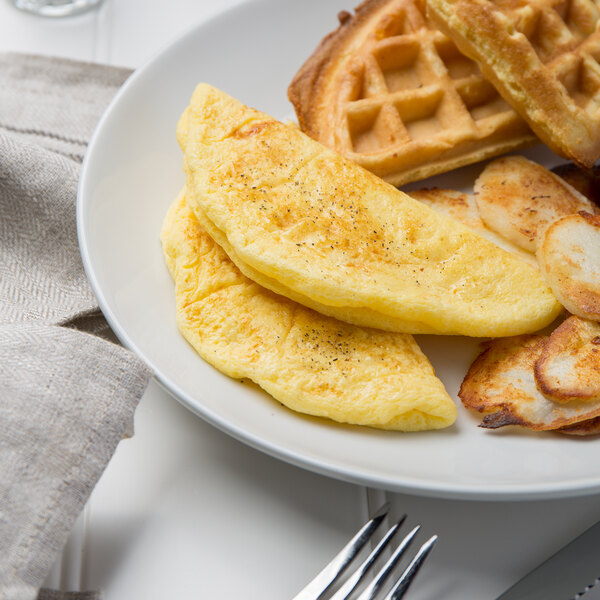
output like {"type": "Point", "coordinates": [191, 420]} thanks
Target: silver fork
{"type": "Point", "coordinates": [334, 571]}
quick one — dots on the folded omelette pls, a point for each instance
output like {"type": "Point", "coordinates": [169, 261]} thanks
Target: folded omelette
{"type": "Point", "coordinates": [309, 362]}
{"type": "Point", "coordinates": [307, 223]}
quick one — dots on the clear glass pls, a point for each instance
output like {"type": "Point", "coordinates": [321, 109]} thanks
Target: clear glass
{"type": "Point", "coordinates": [56, 8]}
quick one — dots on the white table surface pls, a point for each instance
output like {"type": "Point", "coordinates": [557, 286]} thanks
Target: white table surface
{"type": "Point", "coordinates": [184, 511]}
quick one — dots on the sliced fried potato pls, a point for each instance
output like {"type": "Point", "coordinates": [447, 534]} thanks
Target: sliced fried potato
{"type": "Point", "coordinates": [569, 366]}
{"type": "Point", "coordinates": [519, 199]}
{"type": "Point", "coordinates": [462, 207]}
{"type": "Point", "coordinates": [501, 385]}
{"type": "Point", "coordinates": [455, 204]}
{"type": "Point", "coordinates": [585, 181]}
{"type": "Point", "coordinates": [589, 427]}
{"type": "Point", "coordinates": [569, 258]}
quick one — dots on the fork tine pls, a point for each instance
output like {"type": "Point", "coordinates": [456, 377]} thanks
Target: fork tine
{"type": "Point", "coordinates": [350, 585]}
{"type": "Point", "coordinates": [408, 576]}
{"type": "Point", "coordinates": [340, 562]}
{"type": "Point", "coordinates": [371, 590]}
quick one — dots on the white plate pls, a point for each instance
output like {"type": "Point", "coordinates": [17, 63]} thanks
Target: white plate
{"type": "Point", "coordinates": [132, 173]}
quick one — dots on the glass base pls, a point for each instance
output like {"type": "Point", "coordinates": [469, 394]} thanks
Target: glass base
{"type": "Point", "coordinates": [56, 8]}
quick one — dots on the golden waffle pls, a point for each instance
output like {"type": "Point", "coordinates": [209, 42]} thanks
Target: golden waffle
{"type": "Point", "coordinates": [542, 56]}
{"type": "Point", "coordinates": [396, 96]}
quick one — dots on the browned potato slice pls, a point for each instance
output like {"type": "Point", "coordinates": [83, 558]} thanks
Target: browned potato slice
{"type": "Point", "coordinates": [569, 366]}
{"type": "Point", "coordinates": [569, 258]}
{"type": "Point", "coordinates": [585, 181]}
{"type": "Point", "coordinates": [519, 199]}
{"type": "Point", "coordinates": [463, 208]}
{"type": "Point", "coordinates": [589, 427]}
{"type": "Point", "coordinates": [501, 385]}
{"type": "Point", "coordinates": [455, 204]}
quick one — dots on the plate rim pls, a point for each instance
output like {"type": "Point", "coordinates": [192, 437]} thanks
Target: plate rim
{"type": "Point", "coordinates": [331, 467]}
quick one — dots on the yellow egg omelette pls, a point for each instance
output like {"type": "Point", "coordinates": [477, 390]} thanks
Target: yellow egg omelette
{"type": "Point", "coordinates": [304, 222]}
{"type": "Point", "coordinates": [311, 363]}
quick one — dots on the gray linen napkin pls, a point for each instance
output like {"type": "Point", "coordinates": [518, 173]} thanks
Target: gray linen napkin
{"type": "Point", "coordinates": [67, 391]}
